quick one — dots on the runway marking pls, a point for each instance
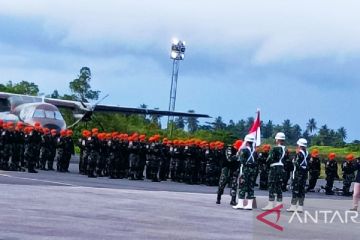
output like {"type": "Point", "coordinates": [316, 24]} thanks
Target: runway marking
{"type": "Point", "coordinates": [39, 180]}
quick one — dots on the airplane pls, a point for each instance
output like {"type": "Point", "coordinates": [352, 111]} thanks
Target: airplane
{"type": "Point", "coordinates": [32, 109]}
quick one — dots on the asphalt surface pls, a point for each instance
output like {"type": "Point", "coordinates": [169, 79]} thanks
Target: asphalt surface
{"type": "Point", "coordinates": [53, 205]}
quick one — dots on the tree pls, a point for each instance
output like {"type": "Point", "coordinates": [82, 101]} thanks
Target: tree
{"type": "Point", "coordinates": [155, 119]}
{"type": "Point", "coordinates": [23, 87]}
{"type": "Point", "coordinates": [192, 122]}
{"type": "Point", "coordinates": [80, 87]}
{"type": "Point", "coordinates": [55, 94]}
{"type": "Point", "coordinates": [180, 123]}
{"type": "Point", "coordinates": [268, 130]}
{"type": "Point", "coordinates": [311, 125]}
{"type": "Point", "coordinates": [249, 123]}
{"type": "Point", "coordinates": [219, 124]}
{"type": "Point", "coordinates": [296, 132]}
{"type": "Point", "coordinates": [287, 129]}
{"type": "Point", "coordinates": [342, 132]}
{"type": "Point", "coordinates": [324, 135]}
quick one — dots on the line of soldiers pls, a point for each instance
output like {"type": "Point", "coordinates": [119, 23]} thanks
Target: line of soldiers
{"type": "Point", "coordinates": [120, 155]}
{"type": "Point", "coordinates": [34, 147]}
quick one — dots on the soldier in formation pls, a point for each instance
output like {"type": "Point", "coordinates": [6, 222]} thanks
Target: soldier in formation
{"type": "Point", "coordinates": [331, 171]}
{"type": "Point", "coordinates": [314, 170]}
{"type": "Point", "coordinates": [229, 172]}
{"type": "Point", "coordinates": [248, 166]}
{"type": "Point", "coordinates": [299, 176]}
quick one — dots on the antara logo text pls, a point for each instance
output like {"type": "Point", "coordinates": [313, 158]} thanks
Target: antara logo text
{"type": "Point", "coordinates": [314, 217]}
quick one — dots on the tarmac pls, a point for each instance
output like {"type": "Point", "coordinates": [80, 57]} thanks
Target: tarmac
{"type": "Point", "coordinates": [53, 205]}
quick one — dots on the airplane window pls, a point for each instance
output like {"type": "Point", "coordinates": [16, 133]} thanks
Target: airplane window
{"type": "Point", "coordinates": [26, 113]}
{"type": "Point", "coordinates": [50, 114]}
{"type": "Point", "coordinates": [58, 115]}
{"type": "Point", "coordinates": [39, 113]}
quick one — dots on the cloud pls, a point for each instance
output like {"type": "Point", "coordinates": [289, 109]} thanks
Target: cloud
{"type": "Point", "coordinates": [301, 55]}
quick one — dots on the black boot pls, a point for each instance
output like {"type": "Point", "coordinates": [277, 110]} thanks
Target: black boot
{"type": "Point", "coordinates": [233, 201]}
{"type": "Point", "coordinates": [218, 199]}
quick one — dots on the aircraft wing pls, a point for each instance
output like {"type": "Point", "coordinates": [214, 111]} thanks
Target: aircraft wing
{"type": "Point", "coordinates": [76, 105]}
{"type": "Point", "coordinates": [127, 110]}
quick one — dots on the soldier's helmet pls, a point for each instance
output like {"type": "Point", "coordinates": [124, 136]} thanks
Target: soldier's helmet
{"type": "Point", "coordinates": [302, 142]}
{"type": "Point", "coordinates": [280, 136]}
{"type": "Point", "coordinates": [249, 138]}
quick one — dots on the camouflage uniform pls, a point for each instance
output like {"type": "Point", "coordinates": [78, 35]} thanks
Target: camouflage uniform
{"type": "Point", "coordinates": [180, 164]}
{"type": "Point", "coordinates": [331, 169]}
{"type": "Point", "coordinates": [288, 169]}
{"type": "Point", "coordinates": [314, 172]}
{"type": "Point", "coordinates": [175, 153]}
{"type": "Point", "coordinates": [94, 147]}
{"type": "Point", "coordinates": [45, 150]}
{"type": "Point", "coordinates": [277, 156]}
{"type": "Point", "coordinates": [101, 164]}
{"type": "Point", "coordinates": [134, 159]}
{"type": "Point", "coordinates": [113, 161]}
{"type": "Point", "coordinates": [142, 161]}
{"type": "Point", "coordinates": [212, 165]}
{"type": "Point", "coordinates": [61, 146]}
{"type": "Point", "coordinates": [348, 168]}
{"type": "Point", "coordinates": [164, 163]}
{"type": "Point", "coordinates": [70, 150]}
{"type": "Point", "coordinates": [18, 154]}
{"type": "Point", "coordinates": [81, 145]}
{"type": "Point", "coordinates": [8, 143]}
{"type": "Point", "coordinates": [299, 177]}
{"type": "Point", "coordinates": [191, 165]}
{"type": "Point", "coordinates": [52, 145]}
{"type": "Point", "coordinates": [32, 142]}
{"type": "Point", "coordinates": [229, 174]}
{"type": "Point", "coordinates": [264, 170]}
{"type": "Point", "coordinates": [155, 155]}
{"type": "Point", "coordinates": [123, 167]}
{"type": "Point", "coordinates": [248, 161]}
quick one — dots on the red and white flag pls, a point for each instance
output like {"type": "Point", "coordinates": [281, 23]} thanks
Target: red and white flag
{"type": "Point", "coordinates": [255, 129]}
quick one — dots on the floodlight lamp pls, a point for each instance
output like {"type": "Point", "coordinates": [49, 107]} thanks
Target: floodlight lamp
{"type": "Point", "coordinates": [173, 55]}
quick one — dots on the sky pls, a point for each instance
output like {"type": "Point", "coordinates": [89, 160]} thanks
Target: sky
{"type": "Point", "coordinates": [292, 59]}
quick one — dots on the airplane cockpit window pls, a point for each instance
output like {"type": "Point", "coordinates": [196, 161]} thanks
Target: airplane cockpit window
{"type": "Point", "coordinates": [58, 116]}
{"type": "Point", "coordinates": [50, 114]}
{"type": "Point", "coordinates": [39, 113]}
{"type": "Point", "coordinates": [53, 115]}
{"type": "Point", "coordinates": [26, 113]}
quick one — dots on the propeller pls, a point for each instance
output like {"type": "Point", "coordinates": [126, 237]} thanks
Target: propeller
{"type": "Point", "coordinates": [89, 110]}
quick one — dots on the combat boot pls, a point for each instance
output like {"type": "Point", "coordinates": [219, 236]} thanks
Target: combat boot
{"type": "Point", "coordinates": [300, 209]}
{"type": "Point", "coordinates": [292, 208]}
{"type": "Point", "coordinates": [32, 171]}
{"type": "Point", "coordinates": [269, 206]}
{"type": "Point", "coordinates": [354, 209]}
{"type": "Point", "coordinates": [218, 199]}
{"type": "Point", "coordinates": [233, 201]}
{"type": "Point", "coordinates": [249, 204]}
{"type": "Point", "coordinates": [240, 204]}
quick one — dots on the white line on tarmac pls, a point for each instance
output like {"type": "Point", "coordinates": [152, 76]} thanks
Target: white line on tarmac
{"type": "Point", "coordinates": [38, 180]}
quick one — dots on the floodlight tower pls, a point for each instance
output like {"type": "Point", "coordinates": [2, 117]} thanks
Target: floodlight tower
{"type": "Point", "coordinates": [177, 54]}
